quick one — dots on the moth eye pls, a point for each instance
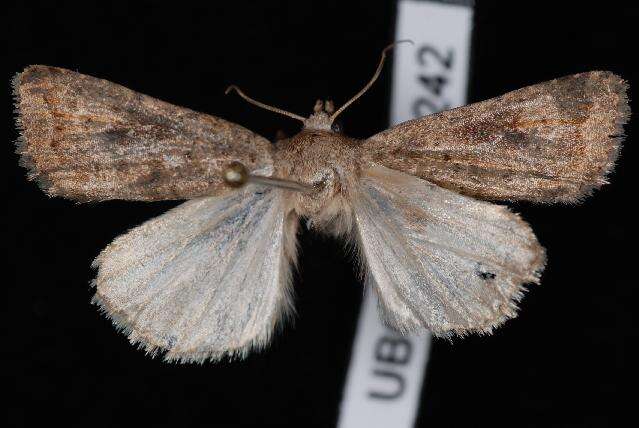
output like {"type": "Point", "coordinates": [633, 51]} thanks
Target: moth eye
{"type": "Point", "coordinates": [336, 127]}
{"type": "Point", "coordinates": [329, 106]}
{"type": "Point", "coordinates": [235, 174]}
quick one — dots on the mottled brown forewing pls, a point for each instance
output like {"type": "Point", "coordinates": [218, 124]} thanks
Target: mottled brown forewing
{"type": "Point", "coordinates": [551, 142]}
{"type": "Point", "coordinates": [88, 139]}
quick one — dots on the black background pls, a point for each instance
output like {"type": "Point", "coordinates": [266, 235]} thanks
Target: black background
{"type": "Point", "coordinates": [562, 362]}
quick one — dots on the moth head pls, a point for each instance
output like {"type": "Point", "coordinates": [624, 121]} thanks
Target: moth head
{"type": "Point", "coordinates": [321, 119]}
{"type": "Point", "coordinates": [324, 114]}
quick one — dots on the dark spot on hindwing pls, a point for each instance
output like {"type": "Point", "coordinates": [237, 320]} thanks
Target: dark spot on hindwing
{"type": "Point", "coordinates": [487, 275]}
{"type": "Point", "coordinates": [484, 273]}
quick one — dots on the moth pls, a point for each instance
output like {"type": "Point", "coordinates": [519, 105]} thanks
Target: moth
{"type": "Point", "coordinates": [211, 278]}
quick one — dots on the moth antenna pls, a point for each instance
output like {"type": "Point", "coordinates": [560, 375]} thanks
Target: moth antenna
{"type": "Point", "coordinates": [237, 175]}
{"type": "Point", "coordinates": [262, 105]}
{"type": "Point", "coordinates": [373, 79]}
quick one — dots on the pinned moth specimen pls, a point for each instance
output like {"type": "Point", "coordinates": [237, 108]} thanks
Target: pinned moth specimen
{"type": "Point", "coordinates": [212, 277]}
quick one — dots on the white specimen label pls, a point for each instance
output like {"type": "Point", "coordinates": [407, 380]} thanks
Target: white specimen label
{"type": "Point", "coordinates": [386, 372]}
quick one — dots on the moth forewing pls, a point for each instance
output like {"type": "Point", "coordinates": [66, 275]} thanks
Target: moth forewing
{"type": "Point", "coordinates": [88, 139]}
{"type": "Point", "coordinates": [551, 142]}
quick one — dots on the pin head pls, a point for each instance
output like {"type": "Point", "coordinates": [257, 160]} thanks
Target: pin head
{"type": "Point", "coordinates": [235, 174]}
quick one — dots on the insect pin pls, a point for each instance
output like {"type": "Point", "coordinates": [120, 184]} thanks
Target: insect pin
{"type": "Point", "coordinates": [211, 278]}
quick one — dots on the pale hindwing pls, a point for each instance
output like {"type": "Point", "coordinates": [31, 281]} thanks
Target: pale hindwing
{"type": "Point", "coordinates": [439, 260]}
{"type": "Point", "coordinates": [207, 279]}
